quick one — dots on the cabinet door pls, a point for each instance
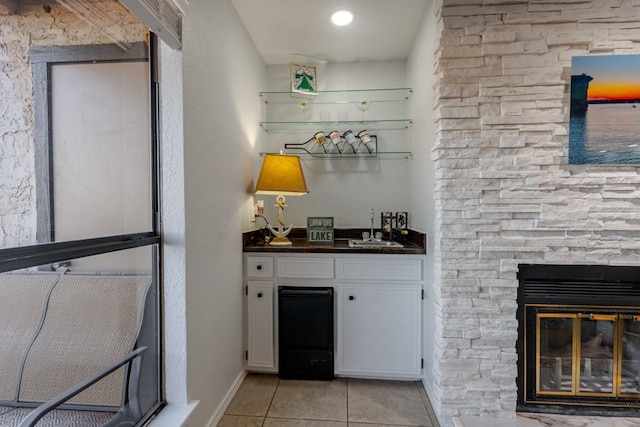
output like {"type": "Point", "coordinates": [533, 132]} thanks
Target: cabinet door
{"type": "Point", "coordinates": [260, 325]}
{"type": "Point", "coordinates": [379, 330]}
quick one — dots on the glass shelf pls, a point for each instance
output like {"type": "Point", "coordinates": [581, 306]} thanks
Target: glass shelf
{"type": "Point", "coordinates": [351, 96]}
{"type": "Point", "coordinates": [393, 124]}
{"type": "Point", "coordinates": [344, 156]}
{"type": "Point", "coordinates": [289, 119]}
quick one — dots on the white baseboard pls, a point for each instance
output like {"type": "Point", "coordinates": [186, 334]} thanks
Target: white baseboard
{"type": "Point", "coordinates": [222, 407]}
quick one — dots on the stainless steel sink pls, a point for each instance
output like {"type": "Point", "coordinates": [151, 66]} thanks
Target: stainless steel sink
{"type": "Point", "coordinates": [357, 243]}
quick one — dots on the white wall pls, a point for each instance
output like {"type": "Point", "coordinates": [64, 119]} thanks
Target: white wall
{"type": "Point", "coordinates": [420, 72]}
{"type": "Point", "coordinates": [222, 75]}
{"type": "Point", "coordinates": [347, 189]}
{"type": "Point", "coordinates": [173, 226]}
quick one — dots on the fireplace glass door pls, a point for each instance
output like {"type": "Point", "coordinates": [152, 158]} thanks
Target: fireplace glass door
{"type": "Point", "coordinates": [579, 339]}
{"type": "Point", "coordinates": [630, 363]}
{"type": "Point", "coordinates": [582, 353]}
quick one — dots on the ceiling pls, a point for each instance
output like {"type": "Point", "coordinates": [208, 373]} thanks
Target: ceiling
{"type": "Point", "coordinates": [301, 31]}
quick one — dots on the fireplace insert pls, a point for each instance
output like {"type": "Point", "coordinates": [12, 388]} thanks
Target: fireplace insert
{"type": "Point", "coordinates": [579, 339]}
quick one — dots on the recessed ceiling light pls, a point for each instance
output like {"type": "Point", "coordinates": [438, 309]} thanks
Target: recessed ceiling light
{"type": "Point", "coordinates": [342, 17]}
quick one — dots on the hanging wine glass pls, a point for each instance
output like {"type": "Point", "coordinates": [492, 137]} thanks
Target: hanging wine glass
{"type": "Point", "coordinates": [363, 106]}
{"type": "Point", "coordinates": [304, 107]}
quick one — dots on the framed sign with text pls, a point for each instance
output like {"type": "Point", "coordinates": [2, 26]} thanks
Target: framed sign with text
{"type": "Point", "coordinates": [320, 229]}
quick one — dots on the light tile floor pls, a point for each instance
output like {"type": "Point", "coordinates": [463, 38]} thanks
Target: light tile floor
{"type": "Point", "coordinates": [266, 400]}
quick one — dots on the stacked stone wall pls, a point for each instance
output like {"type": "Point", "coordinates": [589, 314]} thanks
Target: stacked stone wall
{"type": "Point", "coordinates": [505, 194]}
{"type": "Point", "coordinates": [38, 24]}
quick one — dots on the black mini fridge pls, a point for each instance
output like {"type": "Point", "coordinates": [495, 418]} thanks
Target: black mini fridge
{"type": "Point", "coordinates": [305, 332]}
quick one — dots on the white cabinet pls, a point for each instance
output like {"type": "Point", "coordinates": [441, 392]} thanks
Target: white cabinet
{"type": "Point", "coordinates": [259, 306]}
{"type": "Point", "coordinates": [258, 266]}
{"type": "Point", "coordinates": [379, 330]}
{"type": "Point", "coordinates": [378, 310]}
{"type": "Point", "coordinates": [260, 351]}
{"type": "Point", "coordinates": [380, 269]}
{"type": "Point", "coordinates": [379, 316]}
{"type": "Point", "coordinates": [305, 267]}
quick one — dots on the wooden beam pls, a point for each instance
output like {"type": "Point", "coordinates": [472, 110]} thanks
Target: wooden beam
{"type": "Point", "coordinates": [8, 7]}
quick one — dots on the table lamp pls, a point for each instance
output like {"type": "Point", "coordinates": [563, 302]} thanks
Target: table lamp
{"type": "Point", "coordinates": [281, 175]}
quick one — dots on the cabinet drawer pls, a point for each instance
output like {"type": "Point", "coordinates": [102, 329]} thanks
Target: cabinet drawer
{"type": "Point", "coordinates": [404, 269]}
{"type": "Point", "coordinates": [305, 268]}
{"type": "Point", "coordinates": [259, 266]}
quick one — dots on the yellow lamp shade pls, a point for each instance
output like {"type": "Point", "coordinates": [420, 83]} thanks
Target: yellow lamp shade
{"type": "Point", "coordinates": [281, 174]}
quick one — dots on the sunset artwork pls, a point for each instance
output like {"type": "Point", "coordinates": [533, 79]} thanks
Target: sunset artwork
{"type": "Point", "coordinates": [604, 126]}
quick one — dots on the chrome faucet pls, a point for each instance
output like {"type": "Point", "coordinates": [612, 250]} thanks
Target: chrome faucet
{"type": "Point", "coordinates": [371, 233]}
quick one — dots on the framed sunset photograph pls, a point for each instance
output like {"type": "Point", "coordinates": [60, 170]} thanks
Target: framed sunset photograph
{"type": "Point", "coordinates": [604, 124]}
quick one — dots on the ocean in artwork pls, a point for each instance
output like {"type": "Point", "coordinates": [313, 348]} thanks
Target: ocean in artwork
{"type": "Point", "coordinates": [604, 126]}
{"type": "Point", "coordinates": [606, 134]}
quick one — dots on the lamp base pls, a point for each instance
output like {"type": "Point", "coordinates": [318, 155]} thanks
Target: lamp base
{"type": "Point", "coordinates": [280, 241]}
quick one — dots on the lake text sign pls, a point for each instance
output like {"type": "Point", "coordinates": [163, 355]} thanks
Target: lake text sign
{"type": "Point", "coordinates": [320, 229]}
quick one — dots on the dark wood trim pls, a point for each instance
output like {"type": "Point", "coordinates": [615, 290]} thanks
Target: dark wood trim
{"type": "Point", "coordinates": [43, 159]}
{"type": "Point", "coordinates": [88, 53]}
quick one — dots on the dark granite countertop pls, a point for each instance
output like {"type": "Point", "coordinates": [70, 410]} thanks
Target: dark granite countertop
{"type": "Point", "coordinates": [414, 243]}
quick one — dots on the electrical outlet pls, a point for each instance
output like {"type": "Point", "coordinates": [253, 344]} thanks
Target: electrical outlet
{"type": "Point", "coordinates": [252, 213]}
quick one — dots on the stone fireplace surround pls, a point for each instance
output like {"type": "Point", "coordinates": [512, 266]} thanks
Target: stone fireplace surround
{"type": "Point", "coordinates": [504, 193]}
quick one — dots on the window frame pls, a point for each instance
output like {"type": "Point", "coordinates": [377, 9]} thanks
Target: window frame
{"type": "Point", "coordinates": [47, 251]}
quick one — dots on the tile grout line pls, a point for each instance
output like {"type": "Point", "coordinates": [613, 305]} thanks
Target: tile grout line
{"type": "Point", "coordinates": [347, 393]}
{"type": "Point", "coordinates": [427, 404]}
{"type": "Point", "coordinates": [418, 387]}
{"type": "Point", "coordinates": [273, 396]}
